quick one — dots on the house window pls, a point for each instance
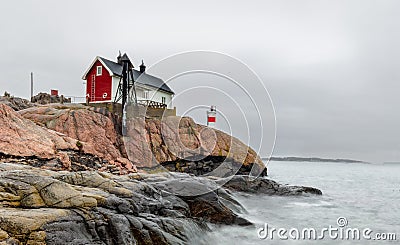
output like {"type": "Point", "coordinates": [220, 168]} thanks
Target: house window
{"type": "Point", "coordinates": [99, 70]}
{"type": "Point", "coordinates": [163, 100]}
{"type": "Point", "coordinates": [146, 94]}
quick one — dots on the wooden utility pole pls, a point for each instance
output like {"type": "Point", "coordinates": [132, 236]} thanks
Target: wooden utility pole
{"type": "Point", "coordinates": [31, 86]}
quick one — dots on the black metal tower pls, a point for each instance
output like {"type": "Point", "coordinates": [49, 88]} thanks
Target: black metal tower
{"type": "Point", "coordinates": [126, 88]}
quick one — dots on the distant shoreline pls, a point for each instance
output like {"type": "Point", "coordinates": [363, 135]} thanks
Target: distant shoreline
{"type": "Point", "coordinates": [311, 159]}
{"type": "Point", "coordinates": [391, 163]}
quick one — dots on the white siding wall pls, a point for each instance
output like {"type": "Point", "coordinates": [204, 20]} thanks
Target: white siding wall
{"type": "Point", "coordinates": [152, 93]}
{"type": "Point", "coordinates": [157, 96]}
{"type": "Point", "coordinates": [115, 82]}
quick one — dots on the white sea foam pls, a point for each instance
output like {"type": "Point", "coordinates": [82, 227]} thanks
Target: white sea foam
{"type": "Point", "coordinates": [313, 204]}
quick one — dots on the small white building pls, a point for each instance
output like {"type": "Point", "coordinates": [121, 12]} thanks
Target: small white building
{"type": "Point", "coordinates": [103, 77]}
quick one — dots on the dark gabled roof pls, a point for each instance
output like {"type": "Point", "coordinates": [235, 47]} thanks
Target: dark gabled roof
{"type": "Point", "coordinates": [142, 78]}
{"type": "Point", "coordinates": [115, 68]}
{"type": "Point", "coordinates": [146, 79]}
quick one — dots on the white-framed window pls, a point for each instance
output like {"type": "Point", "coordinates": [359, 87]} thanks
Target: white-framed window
{"type": "Point", "coordinates": [99, 70]}
{"type": "Point", "coordinates": [163, 99]}
{"type": "Point", "coordinates": [146, 94]}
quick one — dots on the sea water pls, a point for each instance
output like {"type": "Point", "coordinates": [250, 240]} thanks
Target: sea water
{"type": "Point", "coordinates": [361, 197]}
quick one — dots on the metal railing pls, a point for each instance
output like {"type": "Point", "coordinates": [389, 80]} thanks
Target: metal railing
{"type": "Point", "coordinates": [151, 103]}
{"type": "Point", "coordinates": [76, 99]}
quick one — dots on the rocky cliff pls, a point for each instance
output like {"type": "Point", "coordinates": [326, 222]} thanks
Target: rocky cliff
{"type": "Point", "coordinates": [179, 143]}
{"type": "Point", "coordinates": [68, 177]}
{"type": "Point", "coordinates": [22, 140]}
{"type": "Point", "coordinates": [174, 142]}
{"type": "Point", "coordinates": [46, 207]}
{"type": "Point", "coordinates": [96, 131]}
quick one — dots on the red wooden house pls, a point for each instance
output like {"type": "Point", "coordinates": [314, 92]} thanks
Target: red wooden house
{"type": "Point", "coordinates": [103, 77]}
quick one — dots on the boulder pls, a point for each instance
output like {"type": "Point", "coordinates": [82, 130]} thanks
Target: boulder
{"type": "Point", "coordinates": [264, 185]}
{"type": "Point", "coordinates": [45, 98]}
{"type": "Point", "coordinates": [23, 138]}
{"type": "Point", "coordinates": [15, 102]}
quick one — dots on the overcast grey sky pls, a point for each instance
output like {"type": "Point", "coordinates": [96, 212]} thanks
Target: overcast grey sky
{"type": "Point", "coordinates": [331, 67]}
